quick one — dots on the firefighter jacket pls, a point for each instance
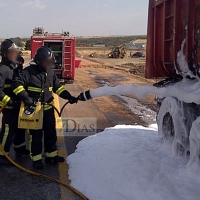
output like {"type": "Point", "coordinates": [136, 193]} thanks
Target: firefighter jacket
{"type": "Point", "coordinates": [8, 71]}
{"type": "Point", "coordinates": [37, 83]}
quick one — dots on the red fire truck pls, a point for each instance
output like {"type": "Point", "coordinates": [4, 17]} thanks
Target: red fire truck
{"type": "Point", "coordinates": [63, 47]}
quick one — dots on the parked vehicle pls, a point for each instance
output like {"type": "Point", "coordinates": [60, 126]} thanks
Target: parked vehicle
{"type": "Point", "coordinates": [138, 55]}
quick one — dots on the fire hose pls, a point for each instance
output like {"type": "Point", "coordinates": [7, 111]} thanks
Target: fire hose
{"type": "Point", "coordinates": [38, 174]}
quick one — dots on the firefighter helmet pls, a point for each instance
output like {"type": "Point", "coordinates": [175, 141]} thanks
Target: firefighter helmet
{"type": "Point", "coordinates": [43, 53]}
{"type": "Point", "coordinates": [7, 45]}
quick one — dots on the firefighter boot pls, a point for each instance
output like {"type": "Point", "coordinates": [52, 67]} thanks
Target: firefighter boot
{"type": "Point", "coordinates": [38, 164]}
{"type": "Point", "coordinates": [21, 152]}
{"type": "Point", "coordinates": [55, 159]}
{"type": "Point", "coordinates": [5, 162]}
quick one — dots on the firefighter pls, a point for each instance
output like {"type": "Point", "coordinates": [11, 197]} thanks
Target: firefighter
{"type": "Point", "coordinates": [8, 71]}
{"type": "Point", "coordinates": [37, 82]}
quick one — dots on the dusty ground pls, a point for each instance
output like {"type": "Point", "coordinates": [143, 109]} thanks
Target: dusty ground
{"type": "Point", "coordinates": [132, 65]}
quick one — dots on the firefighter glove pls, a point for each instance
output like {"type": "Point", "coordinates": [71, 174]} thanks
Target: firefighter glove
{"type": "Point", "coordinates": [73, 100]}
{"type": "Point", "coordinates": [28, 101]}
{"type": "Point", "coordinates": [13, 103]}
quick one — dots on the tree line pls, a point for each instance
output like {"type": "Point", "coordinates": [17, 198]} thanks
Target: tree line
{"type": "Point", "coordinates": [108, 41]}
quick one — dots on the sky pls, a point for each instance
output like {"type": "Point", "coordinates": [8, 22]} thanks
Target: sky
{"type": "Point", "coordinates": [79, 17]}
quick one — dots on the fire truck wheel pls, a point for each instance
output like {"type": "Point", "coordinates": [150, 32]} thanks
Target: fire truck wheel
{"type": "Point", "coordinates": [171, 126]}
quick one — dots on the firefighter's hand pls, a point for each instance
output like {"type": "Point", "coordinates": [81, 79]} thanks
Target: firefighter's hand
{"type": "Point", "coordinates": [28, 101]}
{"type": "Point", "coordinates": [73, 100]}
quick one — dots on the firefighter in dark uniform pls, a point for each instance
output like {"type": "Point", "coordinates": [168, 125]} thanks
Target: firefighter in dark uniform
{"type": "Point", "coordinates": [37, 82]}
{"type": "Point", "coordinates": [9, 131]}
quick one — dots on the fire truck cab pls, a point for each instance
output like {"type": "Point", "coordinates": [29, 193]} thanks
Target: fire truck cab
{"type": "Point", "coordinates": [63, 47]}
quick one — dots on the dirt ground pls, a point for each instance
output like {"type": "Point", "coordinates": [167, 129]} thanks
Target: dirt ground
{"type": "Point", "coordinates": [131, 65]}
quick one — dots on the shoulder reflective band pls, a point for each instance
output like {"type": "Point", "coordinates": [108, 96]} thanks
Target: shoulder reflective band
{"type": "Point", "coordinates": [5, 99]}
{"type": "Point", "coordinates": [35, 89]}
{"type": "Point", "coordinates": [18, 89]}
{"type": "Point", "coordinates": [60, 90]}
{"type": "Point", "coordinates": [7, 85]}
{"type": "Point", "coordinates": [51, 155]}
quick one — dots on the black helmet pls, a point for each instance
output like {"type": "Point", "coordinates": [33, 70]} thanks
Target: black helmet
{"type": "Point", "coordinates": [7, 45]}
{"type": "Point", "coordinates": [42, 54]}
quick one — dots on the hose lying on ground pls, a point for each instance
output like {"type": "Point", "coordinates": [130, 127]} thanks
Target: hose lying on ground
{"type": "Point", "coordinates": [38, 174]}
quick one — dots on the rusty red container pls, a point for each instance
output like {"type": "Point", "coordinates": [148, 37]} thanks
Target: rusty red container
{"type": "Point", "coordinates": [170, 22]}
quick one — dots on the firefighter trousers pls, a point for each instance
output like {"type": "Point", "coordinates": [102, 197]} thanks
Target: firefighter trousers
{"type": "Point", "coordinates": [10, 133]}
{"type": "Point", "coordinates": [50, 138]}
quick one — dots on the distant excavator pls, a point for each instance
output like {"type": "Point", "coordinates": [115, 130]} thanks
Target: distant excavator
{"type": "Point", "coordinates": [118, 52]}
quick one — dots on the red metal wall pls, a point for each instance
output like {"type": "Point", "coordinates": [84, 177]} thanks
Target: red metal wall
{"type": "Point", "coordinates": [169, 23]}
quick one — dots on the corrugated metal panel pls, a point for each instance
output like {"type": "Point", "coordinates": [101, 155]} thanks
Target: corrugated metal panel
{"type": "Point", "coordinates": [169, 23]}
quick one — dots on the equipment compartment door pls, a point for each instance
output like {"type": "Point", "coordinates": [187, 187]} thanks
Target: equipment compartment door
{"type": "Point", "coordinates": [68, 58]}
